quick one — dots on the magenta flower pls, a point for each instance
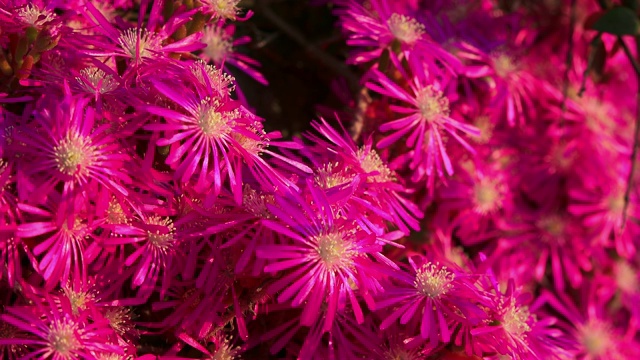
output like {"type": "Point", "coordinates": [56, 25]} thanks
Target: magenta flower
{"type": "Point", "coordinates": [593, 331]}
{"type": "Point", "coordinates": [514, 88]}
{"type": "Point", "coordinates": [348, 338]}
{"type": "Point", "coordinates": [63, 227]}
{"type": "Point", "coordinates": [374, 28]}
{"type": "Point", "coordinates": [601, 209]}
{"type": "Point", "coordinates": [620, 282]}
{"type": "Point", "coordinates": [376, 188]}
{"type": "Point", "coordinates": [189, 313]}
{"type": "Point", "coordinates": [426, 118]}
{"type": "Point", "coordinates": [156, 248]}
{"type": "Point", "coordinates": [17, 15]}
{"type": "Point", "coordinates": [326, 257]}
{"type": "Point", "coordinates": [201, 136]}
{"type": "Point", "coordinates": [138, 43]}
{"type": "Point", "coordinates": [480, 196]}
{"type": "Point", "coordinates": [11, 246]}
{"type": "Point", "coordinates": [433, 298]}
{"type": "Point", "coordinates": [514, 329]}
{"type": "Point", "coordinates": [146, 211]}
{"type": "Point", "coordinates": [217, 40]}
{"type": "Point", "coordinates": [50, 331]}
{"type": "Point", "coordinates": [63, 146]}
{"type": "Point", "coordinates": [559, 241]}
{"type": "Point", "coordinates": [12, 351]}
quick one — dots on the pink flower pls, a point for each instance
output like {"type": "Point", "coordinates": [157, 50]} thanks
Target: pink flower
{"type": "Point", "coordinates": [156, 248]}
{"type": "Point", "coordinates": [201, 136]}
{"type": "Point", "coordinates": [425, 119]}
{"type": "Point", "coordinates": [592, 328]}
{"type": "Point", "coordinates": [514, 329]}
{"type": "Point", "coordinates": [480, 196]}
{"type": "Point", "coordinates": [64, 228]}
{"type": "Point", "coordinates": [141, 44]}
{"type": "Point", "coordinates": [348, 338]}
{"type": "Point", "coordinates": [601, 209]}
{"type": "Point", "coordinates": [324, 259]}
{"type": "Point", "coordinates": [51, 331]}
{"type": "Point", "coordinates": [64, 147]}
{"type": "Point", "coordinates": [17, 15]}
{"type": "Point", "coordinates": [559, 243]}
{"type": "Point", "coordinates": [513, 87]}
{"type": "Point", "coordinates": [217, 40]}
{"type": "Point", "coordinates": [432, 297]}
{"type": "Point", "coordinates": [385, 25]}
{"type": "Point", "coordinates": [376, 189]}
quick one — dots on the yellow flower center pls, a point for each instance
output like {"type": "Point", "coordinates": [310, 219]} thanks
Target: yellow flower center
{"type": "Point", "coordinates": [94, 80]}
{"type": "Point", "coordinates": [483, 123]}
{"type": "Point", "coordinates": [404, 28]}
{"type": "Point", "coordinates": [256, 203]}
{"type": "Point", "coordinates": [115, 213]}
{"type": "Point", "coordinates": [596, 339]}
{"type": "Point", "coordinates": [487, 196]}
{"type": "Point", "coordinates": [218, 44]}
{"type": "Point", "coordinates": [78, 299]}
{"type": "Point", "coordinates": [330, 175]}
{"type": "Point", "coordinates": [35, 16]}
{"type": "Point", "coordinates": [334, 251]}
{"type": "Point", "coordinates": [161, 240]}
{"type": "Point", "coordinates": [223, 83]}
{"type": "Point", "coordinates": [225, 9]}
{"type": "Point", "coordinates": [371, 162]}
{"type": "Point", "coordinates": [503, 65]}
{"type": "Point", "coordinates": [119, 319]}
{"type": "Point", "coordinates": [553, 227]}
{"type": "Point", "coordinates": [62, 339]}
{"type": "Point", "coordinates": [432, 103]}
{"type": "Point", "coordinates": [626, 277]}
{"type": "Point", "coordinates": [433, 280]}
{"type": "Point", "coordinates": [515, 319]}
{"type": "Point", "coordinates": [213, 123]}
{"type": "Point", "coordinates": [139, 43]}
{"type": "Point", "coordinates": [74, 155]}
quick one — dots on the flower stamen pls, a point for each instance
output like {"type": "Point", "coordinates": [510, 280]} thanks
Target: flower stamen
{"type": "Point", "coordinates": [433, 280]}
{"type": "Point", "coordinates": [405, 28]}
{"type": "Point", "coordinates": [334, 251]}
{"type": "Point", "coordinates": [74, 155]}
{"type": "Point", "coordinates": [62, 339]}
{"type": "Point", "coordinates": [432, 103]}
{"type": "Point", "coordinates": [138, 43]}
{"type": "Point", "coordinates": [218, 44]}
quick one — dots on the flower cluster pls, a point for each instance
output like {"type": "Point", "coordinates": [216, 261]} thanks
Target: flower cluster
{"type": "Point", "coordinates": [475, 198]}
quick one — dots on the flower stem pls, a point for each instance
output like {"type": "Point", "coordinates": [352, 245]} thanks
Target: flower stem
{"type": "Point", "coordinates": [636, 132]}
{"type": "Point", "coordinates": [568, 60]}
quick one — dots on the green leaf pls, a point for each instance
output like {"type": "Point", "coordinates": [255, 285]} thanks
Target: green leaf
{"type": "Point", "coordinates": [618, 21]}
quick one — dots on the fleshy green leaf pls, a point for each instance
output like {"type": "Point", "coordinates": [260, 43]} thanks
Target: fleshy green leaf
{"type": "Point", "coordinates": [618, 21]}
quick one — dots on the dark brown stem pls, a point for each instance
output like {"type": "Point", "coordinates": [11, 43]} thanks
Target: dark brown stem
{"type": "Point", "coordinates": [590, 60]}
{"type": "Point", "coordinates": [627, 51]}
{"type": "Point", "coordinates": [568, 63]}
{"type": "Point", "coordinates": [636, 132]}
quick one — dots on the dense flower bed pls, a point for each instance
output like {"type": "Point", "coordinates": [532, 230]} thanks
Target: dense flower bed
{"type": "Point", "coordinates": [474, 197]}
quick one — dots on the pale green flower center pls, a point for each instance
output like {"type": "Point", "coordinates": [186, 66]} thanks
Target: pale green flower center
{"type": "Point", "coordinates": [433, 280]}
{"type": "Point", "coordinates": [404, 28]}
